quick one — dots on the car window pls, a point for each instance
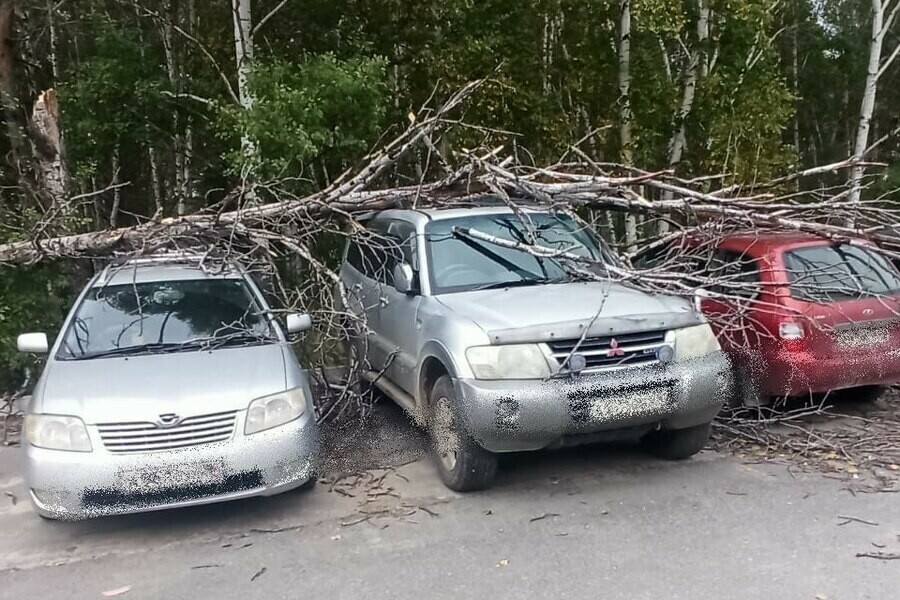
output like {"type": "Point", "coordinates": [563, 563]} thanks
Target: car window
{"type": "Point", "coordinates": [736, 274]}
{"type": "Point", "coordinates": [119, 317]}
{"type": "Point", "coordinates": [383, 244]}
{"type": "Point", "coordinates": [840, 271]}
{"type": "Point", "coordinates": [459, 263]}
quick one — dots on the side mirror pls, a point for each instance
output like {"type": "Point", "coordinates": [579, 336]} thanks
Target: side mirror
{"type": "Point", "coordinates": [403, 278]}
{"type": "Point", "coordinates": [297, 322]}
{"type": "Point", "coordinates": [33, 343]}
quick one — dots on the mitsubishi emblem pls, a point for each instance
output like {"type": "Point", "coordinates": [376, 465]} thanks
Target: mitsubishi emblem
{"type": "Point", "coordinates": [614, 349]}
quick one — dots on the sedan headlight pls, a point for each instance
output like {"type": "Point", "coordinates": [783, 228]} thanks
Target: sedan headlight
{"type": "Point", "coordinates": [519, 361]}
{"type": "Point", "coordinates": [57, 432]}
{"type": "Point", "coordinates": [696, 341]}
{"type": "Point", "coordinates": [271, 411]}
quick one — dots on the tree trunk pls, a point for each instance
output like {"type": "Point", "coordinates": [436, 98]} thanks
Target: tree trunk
{"type": "Point", "coordinates": [867, 106]}
{"type": "Point", "coordinates": [626, 118]}
{"type": "Point", "coordinates": [51, 164]}
{"type": "Point", "coordinates": [691, 80]}
{"type": "Point", "coordinates": [243, 54]}
{"type": "Point", "coordinates": [117, 193]}
{"type": "Point", "coordinates": [174, 76]}
{"type": "Point", "coordinates": [8, 82]}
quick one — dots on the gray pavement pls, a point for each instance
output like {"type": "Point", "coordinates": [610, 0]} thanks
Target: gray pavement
{"type": "Point", "coordinates": [602, 521]}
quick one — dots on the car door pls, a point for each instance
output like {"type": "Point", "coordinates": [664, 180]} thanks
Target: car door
{"type": "Point", "coordinates": [398, 312]}
{"type": "Point", "coordinates": [734, 302]}
{"type": "Point", "coordinates": [362, 291]}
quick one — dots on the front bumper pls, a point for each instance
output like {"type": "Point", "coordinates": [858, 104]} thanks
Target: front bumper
{"type": "Point", "coordinates": [513, 416]}
{"type": "Point", "coordinates": [78, 485]}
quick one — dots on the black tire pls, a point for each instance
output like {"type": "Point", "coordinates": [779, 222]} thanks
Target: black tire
{"type": "Point", "coordinates": [863, 395]}
{"type": "Point", "coordinates": [677, 444]}
{"type": "Point", "coordinates": [463, 465]}
{"type": "Point", "coordinates": [745, 392]}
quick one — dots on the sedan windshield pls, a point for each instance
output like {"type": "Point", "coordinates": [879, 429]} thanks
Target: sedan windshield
{"type": "Point", "coordinates": [460, 262]}
{"type": "Point", "coordinates": [841, 271]}
{"type": "Point", "coordinates": [164, 316]}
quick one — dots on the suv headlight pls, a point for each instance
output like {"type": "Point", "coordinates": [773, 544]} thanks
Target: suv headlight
{"type": "Point", "coordinates": [695, 341]}
{"type": "Point", "coordinates": [271, 411]}
{"type": "Point", "coordinates": [518, 361]}
{"type": "Point", "coordinates": [57, 432]}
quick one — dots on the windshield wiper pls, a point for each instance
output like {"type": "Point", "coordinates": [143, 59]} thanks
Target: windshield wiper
{"type": "Point", "coordinates": [243, 338]}
{"type": "Point", "coordinates": [521, 283]}
{"type": "Point", "coordinates": [136, 350]}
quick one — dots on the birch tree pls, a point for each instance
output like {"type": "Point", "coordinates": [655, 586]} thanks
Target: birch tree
{"type": "Point", "coordinates": [696, 67]}
{"type": "Point", "coordinates": [243, 54]}
{"type": "Point", "coordinates": [626, 117]}
{"type": "Point", "coordinates": [884, 14]}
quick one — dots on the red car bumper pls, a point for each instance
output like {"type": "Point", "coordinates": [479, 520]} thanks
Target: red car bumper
{"type": "Point", "coordinates": [797, 373]}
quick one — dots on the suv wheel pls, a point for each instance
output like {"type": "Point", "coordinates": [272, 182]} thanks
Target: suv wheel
{"type": "Point", "coordinates": [677, 444]}
{"type": "Point", "coordinates": [463, 465]}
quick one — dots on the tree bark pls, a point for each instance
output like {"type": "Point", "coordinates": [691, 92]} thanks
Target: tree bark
{"type": "Point", "coordinates": [243, 54]}
{"type": "Point", "coordinates": [53, 175]}
{"type": "Point", "coordinates": [691, 80]}
{"type": "Point", "coordinates": [876, 68]}
{"type": "Point", "coordinates": [626, 117]}
{"type": "Point", "coordinates": [8, 96]}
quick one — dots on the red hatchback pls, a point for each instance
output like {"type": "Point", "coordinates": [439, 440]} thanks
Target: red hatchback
{"type": "Point", "coordinates": [798, 314]}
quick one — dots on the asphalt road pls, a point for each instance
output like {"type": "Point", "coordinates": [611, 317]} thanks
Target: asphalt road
{"type": "Point", "coordinates": [582, 523]}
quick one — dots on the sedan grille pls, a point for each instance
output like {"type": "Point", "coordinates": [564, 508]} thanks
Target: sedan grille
{"type": "Point", "coordinates": [613, 351]}
{"type": "Point", "coordinates": [148, 437]}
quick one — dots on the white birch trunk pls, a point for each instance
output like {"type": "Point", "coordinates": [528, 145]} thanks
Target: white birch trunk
{"type": "Point", "coordinates": [876, 68]}
{"type": "Point", "coordinates": [117, 194]}
{"type": "Point", "coordinates": [626, 118]}
{"type": "Point", "coordinates": [243, 54]}
{"type": "Point", "coordinates": [173, 73]}
{"type": "Point", "coordinates": [691, 80]}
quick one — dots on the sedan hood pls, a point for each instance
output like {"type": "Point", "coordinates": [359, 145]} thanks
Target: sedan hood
{"type": "Point", "coordinates": [562, 311]}
{"type": "Point", "coordinates": [140, 388]}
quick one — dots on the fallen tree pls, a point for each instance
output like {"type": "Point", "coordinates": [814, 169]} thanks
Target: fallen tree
{"type": "Point", "coordinates": [284, 226]}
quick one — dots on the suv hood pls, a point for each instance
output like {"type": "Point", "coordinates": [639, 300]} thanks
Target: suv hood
{"type": "Point", "coordinates": [562, 311]}
{"type": "Point", "coordinates": [140, 388]}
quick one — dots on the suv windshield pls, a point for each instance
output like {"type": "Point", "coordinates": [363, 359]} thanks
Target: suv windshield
{"type": "Point", "coordinates": [164, 316]}
{"type": "Point", "coordinates": [461, 263]}
{"type": "Point", "coordinates": [823, 273]}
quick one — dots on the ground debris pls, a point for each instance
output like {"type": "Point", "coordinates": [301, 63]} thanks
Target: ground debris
{"type": "Point", "coordinates": [854, 442]}
{"type": "Point", "coordinates": [542, 517]}
{"type": "Point", "coordinates": [879, 555]}
{"type": "Point", "coordinates": [855, 520]}
{"type": "Point", "coordinates": [258, 574]}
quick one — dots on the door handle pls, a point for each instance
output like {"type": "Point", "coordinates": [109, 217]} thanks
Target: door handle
{"type": "Point", "coordinates": [383, 300]}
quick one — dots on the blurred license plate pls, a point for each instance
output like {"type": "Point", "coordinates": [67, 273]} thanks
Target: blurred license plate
{"type": "Point", "coordinates": [152, 479]}
{"type": "Point", "coordinates": [862, 337]}
{"type": "Point", "coordinates": [632, 403]}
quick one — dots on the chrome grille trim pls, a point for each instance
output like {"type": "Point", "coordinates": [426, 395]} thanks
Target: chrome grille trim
{"type": "Point", "coordinates": [149, 437]}
{"type": "Point", "coordinates": [639, 350]}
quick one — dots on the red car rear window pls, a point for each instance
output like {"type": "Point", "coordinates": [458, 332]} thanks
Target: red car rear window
{"type": "Point", "coordinates": [839, 272]}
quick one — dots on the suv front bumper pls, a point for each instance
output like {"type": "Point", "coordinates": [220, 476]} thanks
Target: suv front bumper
{"type": "Point", "coordinates": [518, 415]}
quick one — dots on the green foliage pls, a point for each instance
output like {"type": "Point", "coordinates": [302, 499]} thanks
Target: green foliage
{"type": "Point", "coordinates": [111, 101]}
{"type": "Point", "coordinates": [31, 299]}
{"type": "Point", "coordinates": [317, 110]}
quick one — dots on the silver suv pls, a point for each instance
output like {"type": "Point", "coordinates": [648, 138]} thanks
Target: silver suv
{"type": "Point", "coordinates": [496, 350]}
{"type": "Point", "coordinates": [169, 386]}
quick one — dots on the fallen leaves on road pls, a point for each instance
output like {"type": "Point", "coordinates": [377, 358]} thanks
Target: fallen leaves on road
{"type": "Point", "coordinates": [12, 497]}
{"type": "Point", "coordinates": [503, 563]}
{"type": "Point", "coordinates": [118, 591]}
{"type": "Point", "coordinates": [258, 574]}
